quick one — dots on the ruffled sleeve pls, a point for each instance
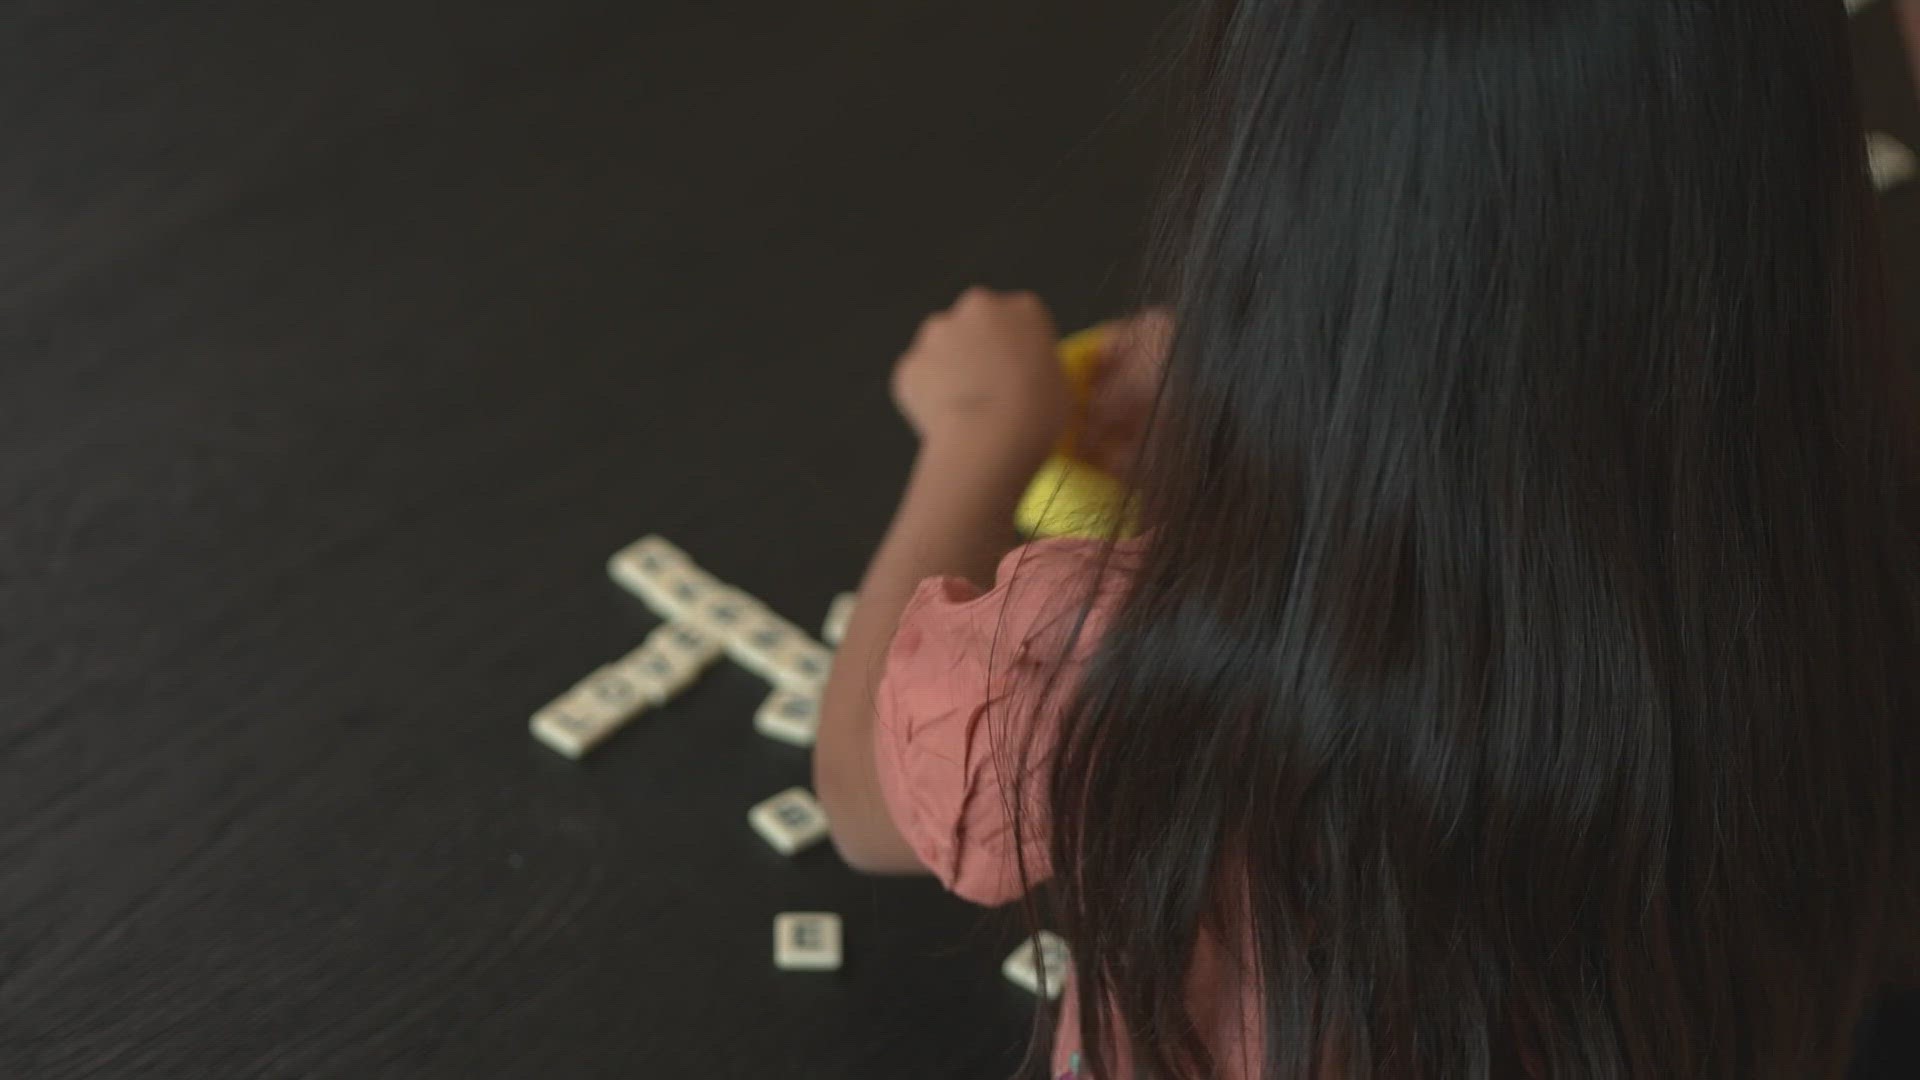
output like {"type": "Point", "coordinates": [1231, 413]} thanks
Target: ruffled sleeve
{"type": "Point", "coordinates": [966, 689]}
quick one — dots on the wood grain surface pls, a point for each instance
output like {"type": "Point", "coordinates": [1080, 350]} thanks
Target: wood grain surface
{"type": "Point", "coordinates": [343, 342]}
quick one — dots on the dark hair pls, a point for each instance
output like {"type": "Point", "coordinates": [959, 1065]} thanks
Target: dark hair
{"type": "Point", "coordinates": [1522, 650]}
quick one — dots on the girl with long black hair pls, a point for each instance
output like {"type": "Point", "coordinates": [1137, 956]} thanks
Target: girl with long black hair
{"type": "Point", "coordinates": [1515, 674]}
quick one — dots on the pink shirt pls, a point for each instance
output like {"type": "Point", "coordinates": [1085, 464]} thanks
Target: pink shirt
{"type": "Point", "coordinates": [943, 755]}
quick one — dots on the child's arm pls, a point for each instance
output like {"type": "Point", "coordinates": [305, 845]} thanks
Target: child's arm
{"type": "Point", "coordinates": [955, 518]}
{"type": "Point", "coordinates": [983, 389]}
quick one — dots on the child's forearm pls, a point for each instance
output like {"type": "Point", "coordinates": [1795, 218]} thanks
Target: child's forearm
{"type": "Point", "coordinates": [954, 519]}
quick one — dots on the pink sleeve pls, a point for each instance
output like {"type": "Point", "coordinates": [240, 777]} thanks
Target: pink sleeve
{"type": "Point", "coordinates": [962, 689]}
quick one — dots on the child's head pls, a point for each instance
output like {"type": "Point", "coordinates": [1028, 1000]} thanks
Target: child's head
{"type": "Point", "coordinates": [1524, 639]}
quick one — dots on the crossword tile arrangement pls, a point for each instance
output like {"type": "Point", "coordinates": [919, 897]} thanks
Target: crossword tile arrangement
{"type": "Point", "coordinates": [704, 619]}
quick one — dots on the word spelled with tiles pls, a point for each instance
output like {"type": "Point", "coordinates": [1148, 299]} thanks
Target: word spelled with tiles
{"type": "Point", "coordinates": [705, 619]}
{"type": "Point", "coordinates": [662, 576]}
{"type": "Point", "coordinates": [790, 821]}
{"type": "Point", "coordinates": [1044, 953]}
{"type": "Point", "coordinates": [806, 941]}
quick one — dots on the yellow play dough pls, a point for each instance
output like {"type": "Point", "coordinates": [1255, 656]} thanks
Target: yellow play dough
{"type": "Point", "coordinates": [1069, 497]}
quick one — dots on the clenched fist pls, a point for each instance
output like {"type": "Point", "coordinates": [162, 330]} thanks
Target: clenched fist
{"type": "Point", "coordinates": [985, 375]}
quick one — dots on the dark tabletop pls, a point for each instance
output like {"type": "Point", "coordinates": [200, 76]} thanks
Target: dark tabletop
{"type": "Point", "coordinates": [344, 341]}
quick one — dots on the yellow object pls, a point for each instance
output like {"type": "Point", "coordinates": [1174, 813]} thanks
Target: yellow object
{"type": "Point", "coordinates": [1069, 497]}
{"type": "Point", "coordinates": [1079, 356]}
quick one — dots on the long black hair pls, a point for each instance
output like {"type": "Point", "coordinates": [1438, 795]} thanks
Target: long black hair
{"type": "Point", "coordinates": [1521, 654]}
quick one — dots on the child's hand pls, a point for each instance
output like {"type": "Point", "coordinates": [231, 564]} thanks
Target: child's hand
{"type": "Point", "coordinates": [984, 373]}
{"type": "Point", "coordinates": [1125, 381]}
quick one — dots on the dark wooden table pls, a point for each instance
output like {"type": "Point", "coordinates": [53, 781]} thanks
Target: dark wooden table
{"type": "Point", "coordinates": [343, 342]}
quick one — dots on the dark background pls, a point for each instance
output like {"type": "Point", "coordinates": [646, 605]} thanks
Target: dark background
{"type": "Point", "coordinates": [343, 341]}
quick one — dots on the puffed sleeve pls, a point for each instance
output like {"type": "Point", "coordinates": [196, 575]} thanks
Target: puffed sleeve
{"type": "Point", "coordinates": [966, 687]}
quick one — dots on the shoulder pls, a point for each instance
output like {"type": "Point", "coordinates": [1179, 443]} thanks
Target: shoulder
{"type": "Point", "coordinates": [971, 689]}
{"type": "Point", "coordinates": [1042, 593]}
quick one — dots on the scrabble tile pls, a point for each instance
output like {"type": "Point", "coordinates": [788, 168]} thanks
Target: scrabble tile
{"type": "Point", "coordinates": [802, 666]}
{"type": "Point", "coordinates": [1022, 970]}
{"type": "Point", "coordinates": [652, 591]}
{"type": "Point", "coordinates": [685, 643]}
{"type": "Point", "coordinates": [674, 592]}
{"type": "Point", "coordinates": [647, 557]}
{"type": "Point", "coordinates": [791, 821]}
{"type": "Point", "coordinates": [571, 733]}
{"type": "Point", "coordinates": [585, 715]}
{"type": "Point", "coordinates": [610, 693]}
{"type": "Point", "coordinates": [767, 633]}
{"type": "Point", "coordinates": [723, 613]}
{"type": "Point", "coordinates": [660, 673]}
{"type": "Point", "coordinates": [806, 941]}
{"type": "Point", "coordinates": [1891, 163]}
{"type": "Point", "coordinates": [788, 717]}
{"type": "Point", "coordinates": [757, 644]}
{"type": "Point", "coordinates": [780, 653]}
{"type": "Point", "coordinates": [838, 614]}
{"type": "Point", "coordinates": [689, 586]}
